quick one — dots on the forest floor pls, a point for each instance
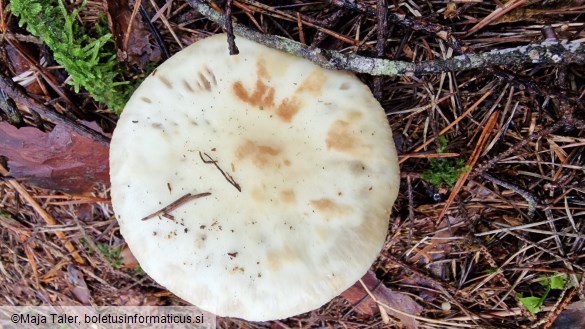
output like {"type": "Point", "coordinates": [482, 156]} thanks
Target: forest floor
{"type": "Point", "coordinates": [488, 230]}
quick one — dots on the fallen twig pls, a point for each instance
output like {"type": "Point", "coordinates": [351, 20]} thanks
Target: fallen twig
{"type": "Point", "coordinates": [382, 29]}
{"type": "Point", "coordinates": [48, 218]}
{"type": "Point", "coordinates": [228, 177]}
{"type": "Point", "coordinates": [498, 13]}
{"type": "Point", "coordinates": [483, 138]}
{"type": "Point", "coordinates": [419, 318]}
{"type": "Point", "coordinates": [544, 53]}
{"type": "Point", "coordinates": [480, 169]}
{"type": "Point", "coordinates": [7, 105]}
{"type": "Point", "coordinates": [403, 21]}
{"type": "Point", "coordinates": [175, 204]}
{"type": "Point", "coordinates": [446, 129]}
{"type": "Point", "coordinates": [16, 93]}
{"type": "Point", "coordinates": [529, 197]}
{"type": "Point", "coordinates": [230, 30]}
{"type": "Point", "coordinates": [155, 34]}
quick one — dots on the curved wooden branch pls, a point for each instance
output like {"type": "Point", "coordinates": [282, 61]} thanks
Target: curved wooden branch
{"type": "Point", "coordinates": [543, 53]}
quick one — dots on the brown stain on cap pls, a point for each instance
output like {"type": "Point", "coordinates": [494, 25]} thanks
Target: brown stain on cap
{"type": "Point", "coordinates": [204, 82]}
{"type": "Point", "coordinates": [354, 116]}
{"type": "Point", "coordinates": [288, 196]}
{"type": "Point", "coordinates": [261, 70]}
{"type": "Point", "coordinates": [313, 84]}
{"type": "Point", "coordinates": [329, 208]}
{"type": "Point", "coordinates": [341, 138]}
{"type": "Point", "coordinates": [165, 81]}
{"type": "Point", "coordinates": [288, 108]}
{"type": "Point", "coordinates": [261, 155]}
{"type": "Point", "coordinates": [261, 96]}
{"type": "Point", "coordinates": [280, 257]}
{"type": "Point", "coordinates": [258, 194]}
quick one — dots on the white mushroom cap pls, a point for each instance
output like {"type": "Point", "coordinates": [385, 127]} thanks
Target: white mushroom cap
{"type": "Point", "coordinates": [311, 151]}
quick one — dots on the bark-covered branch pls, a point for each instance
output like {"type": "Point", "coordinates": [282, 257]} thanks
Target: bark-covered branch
{"type": "Point", "coordinates": [17, 94]}
{"type": "Point", "coordinates": [543, 53]}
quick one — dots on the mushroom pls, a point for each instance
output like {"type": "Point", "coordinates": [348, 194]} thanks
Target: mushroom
{"type": "Point", "coordinates": [256, 186]}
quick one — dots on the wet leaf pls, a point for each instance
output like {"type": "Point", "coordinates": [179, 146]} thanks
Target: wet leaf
{"type": "Point", "coordinates": [366, 306]}
{"type": "Point", "coordinates": [59, 160]}
{"type": "Point", "coordinates": [558, 281]}
{"type": "Point", "coordinates": [531, 303]}
{"type": "Point", "coordinates": [134, 297]}
{"type": "Point", "coordinates": [572, 317]}
{"type": "Point", "coordinates": [438, 247]}
{"type": "Point", "coordinates": [138, 50]}
{"type": "Point", "coordinates": [128, 259]}
{"type": "Point", "coordinates": [79, 289]}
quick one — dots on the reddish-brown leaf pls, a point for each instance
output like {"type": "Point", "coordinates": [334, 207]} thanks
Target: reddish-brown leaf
{"type": "Point", "coordinates": [78, 286]}
{"type": "Point", "coordinates": [128, 258]}
{"type": "Point", "coordinates": [134, 48]}
{"type": "Point", "coordinates": [572, 317]}
{"type": "Point", "coordinates": [366, 306]}
{"type": "Point", "coordinates": [60, 160]}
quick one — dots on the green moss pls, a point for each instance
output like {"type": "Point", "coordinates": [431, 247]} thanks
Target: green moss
{"type": "Point", "coordinates": [444, 171]}
{"type": "Point", "coordinates": [138, 270]}
{"type": "Point", "coordinates": [112, 255]}
{"type": "Point", "coordinates": [90, 61]}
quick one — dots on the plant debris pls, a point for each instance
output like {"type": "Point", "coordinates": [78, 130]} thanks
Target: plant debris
{"type": "Point", "coordinates": [88, 60]}
{"type": "Point", "coordinates": [366, 306]}
{"type": "Point", "coordinates": [130, 35]}
{"type": "Point", "coordinates": [58, 160]}
{"type": "Point", "coordinates": [517, 215]}
{"type": "Point", "coordinates": [165, 211]}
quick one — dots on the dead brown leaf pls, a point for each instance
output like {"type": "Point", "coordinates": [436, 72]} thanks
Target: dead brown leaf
{"type": "Point", "coordinates": [59, 160]}
{"type": "Point", "coordinates": [450, 10]}
{"type": "Point", "coordinates": [366, 306]}
{"type": "Point", "coordinates": [572, 317]}
{"type": "Point", "coordinates": [79, 287]}
{"type": "Point", "coordinates": [133, 297]}
{"type": "Point", "coordinates": [135, 48]}
{"type": "Point", "coordinates": [128, 259]}
{"type": "Point", "coordinates": [438, 247]}
{"type": "Point", "coordinates": [408, 51]}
